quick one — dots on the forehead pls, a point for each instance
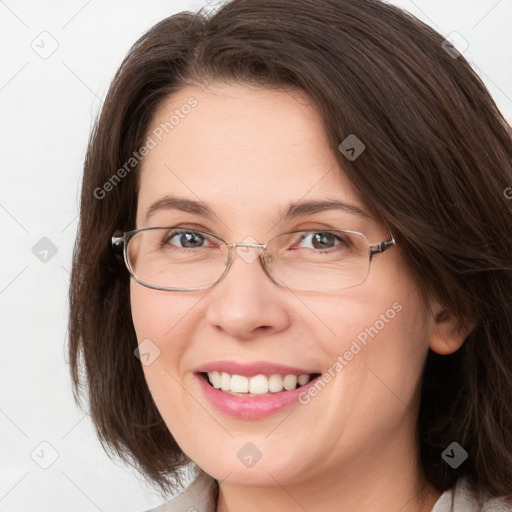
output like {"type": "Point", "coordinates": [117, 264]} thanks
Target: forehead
{"type": "Point", "coordinates": [245, 151]}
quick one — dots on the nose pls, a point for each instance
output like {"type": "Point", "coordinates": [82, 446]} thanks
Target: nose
{"type": "Point", "coordinates": [246, 303]}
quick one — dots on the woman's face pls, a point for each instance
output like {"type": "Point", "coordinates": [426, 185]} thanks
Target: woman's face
{"type": "Point", "coordinates": [248, 154]}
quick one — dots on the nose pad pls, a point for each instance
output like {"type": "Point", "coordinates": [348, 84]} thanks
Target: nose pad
{"type": "Point", "coordinates": [249, 254]}
{"type": "Point", "coordinates": [267, 258]}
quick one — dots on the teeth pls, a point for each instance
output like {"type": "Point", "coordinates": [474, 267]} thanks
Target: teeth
{"type": "Point", "coordinates": [215, 379]}
{"type": "Point", "coordinates": [240, 383]}
{"type": "Point", "coordinates": [225, 382]}
{"type": "Point", "coordinates": [275, 383]}
{"type": "Point", "coordinates": [290, 382]}
{"type": "Point", "coordinates": [303, 379]}
{"type": "Point", "coordinates": [256, 385]}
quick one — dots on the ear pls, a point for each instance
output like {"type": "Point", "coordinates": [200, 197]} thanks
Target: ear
{"type": "Point", "coordinates": [446, 335]}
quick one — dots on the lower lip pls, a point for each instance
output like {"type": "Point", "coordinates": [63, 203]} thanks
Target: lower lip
{"type": "Point", "coordinates": [252, 407]}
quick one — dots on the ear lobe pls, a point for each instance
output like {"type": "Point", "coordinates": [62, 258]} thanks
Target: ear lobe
{"type": "Point", "coordinates": [446, 335]}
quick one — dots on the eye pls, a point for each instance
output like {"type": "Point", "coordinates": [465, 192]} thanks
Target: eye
{"type": "Point", "coordinates": [186, 239]}
{"type": "Point", "coordinates": [322, 240]}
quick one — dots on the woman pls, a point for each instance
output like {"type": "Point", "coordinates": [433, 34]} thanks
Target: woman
{"type": "Point", "coordinates": [310, 200]}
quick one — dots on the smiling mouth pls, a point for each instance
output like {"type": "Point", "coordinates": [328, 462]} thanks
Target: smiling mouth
{"type": "Point", "coordinates": [257, 385]}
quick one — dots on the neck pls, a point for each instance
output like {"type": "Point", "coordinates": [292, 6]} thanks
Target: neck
{"type": "Point", "coordinates": [392, 496]}
{"type": "Point", "coordinates": [389, 480]}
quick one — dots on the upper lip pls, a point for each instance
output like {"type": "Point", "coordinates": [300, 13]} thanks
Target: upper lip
{"type": "Point", "coordinates": [251, 369]}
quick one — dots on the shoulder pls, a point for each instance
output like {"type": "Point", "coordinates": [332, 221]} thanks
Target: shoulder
{"type": "Point", "coordinates": [200, 495]}
{"type": "Point", "coordinates": [463, 499]}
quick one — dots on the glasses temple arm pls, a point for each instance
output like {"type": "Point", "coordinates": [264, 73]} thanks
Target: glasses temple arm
{"type": "Point", "coordinates": [376, 248]}
{"type": "Point", "coordinates": [117, 244]}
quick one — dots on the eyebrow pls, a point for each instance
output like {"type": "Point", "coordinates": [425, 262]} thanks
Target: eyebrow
{"type": "Point", "coordinates": [179, 203]}
{"type": "Point", "coordinates": [294, 210]}
{"type": "Point", "coordinates": [308, 207]}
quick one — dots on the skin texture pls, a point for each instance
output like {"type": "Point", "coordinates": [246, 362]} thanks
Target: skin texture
{"type": "Point", "coordinates": [248, 152]}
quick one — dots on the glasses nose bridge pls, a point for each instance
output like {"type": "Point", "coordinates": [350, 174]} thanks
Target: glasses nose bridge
{"type": "Point", "coordinates": [247, 256]}
{"type": "Point", "coordinates": [241, 248]}
{"type": "Point", "coordinates": [263, 247]}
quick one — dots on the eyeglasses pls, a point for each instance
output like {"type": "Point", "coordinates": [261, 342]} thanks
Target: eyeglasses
{"type": "Point", "coordinates": [180, 259]}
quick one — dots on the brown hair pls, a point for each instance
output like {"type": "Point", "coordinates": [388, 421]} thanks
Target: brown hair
{"type": "Point", "coordinates": [437, 163]}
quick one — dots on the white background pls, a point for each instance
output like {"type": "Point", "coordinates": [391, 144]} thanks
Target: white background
{"type": "Point", "coordinates": [48, 106]}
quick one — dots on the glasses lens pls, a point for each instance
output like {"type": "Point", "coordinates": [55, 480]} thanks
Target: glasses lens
{"type": "Point", "coordinates": [319, 260]}
{"type": "Point", "coordinates": [180, 258]}
{"type": "Point", "coordinates": [176, 258]}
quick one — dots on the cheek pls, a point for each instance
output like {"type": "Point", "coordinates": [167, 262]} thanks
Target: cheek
{"type": "Point", "coordinates": [143, 305]}
{"type": "Point", "coordinates": [374, 363]}
{"type": "Point", "coordinates": [373, 313]}
{"type": "Point", "coordinates": [157, 315]}
{"type": "Point", "coordinates": [165, 322]}
{"type": "Point", "coordinates": [169, 320]}
{"type": "Point", "coordinates": [379, 333]}
{"type": "Point", "coordinates": [378, 346]}
{"type": "Point", "coordinates": [159, 320]}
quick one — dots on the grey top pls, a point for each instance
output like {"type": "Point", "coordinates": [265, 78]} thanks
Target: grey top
{"type": "Point", "coordinates": [465, 501]}
{"type": "Point", "coordinates": [199, 497]}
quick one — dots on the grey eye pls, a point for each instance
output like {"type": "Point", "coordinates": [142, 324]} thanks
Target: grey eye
{"type": "Point", "coordinates": [186, 239]}
{"type": "Point", "coordinates": [321, 240]}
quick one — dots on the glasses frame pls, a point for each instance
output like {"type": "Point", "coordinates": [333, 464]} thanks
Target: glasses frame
{"type": "Point", "coordinates": [119, 244]}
